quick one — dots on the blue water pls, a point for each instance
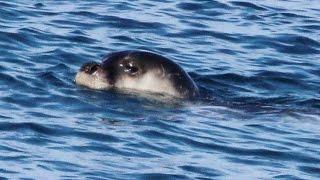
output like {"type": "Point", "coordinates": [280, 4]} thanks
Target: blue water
{"type": "Point", "coordinates": [255, 62]}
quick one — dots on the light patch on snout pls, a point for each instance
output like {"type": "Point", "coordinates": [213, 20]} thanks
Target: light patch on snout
{"type": "Point", "coordinates": [93, 81]}
{"type": "Point", "coordinates": [148, 82]}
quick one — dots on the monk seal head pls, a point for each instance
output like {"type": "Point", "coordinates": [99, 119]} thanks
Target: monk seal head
{"type": "Point", "coordinates": [138, 70]}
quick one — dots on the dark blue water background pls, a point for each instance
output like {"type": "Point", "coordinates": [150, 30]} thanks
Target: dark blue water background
{"type": "Point", "coordinates": [257, 64]}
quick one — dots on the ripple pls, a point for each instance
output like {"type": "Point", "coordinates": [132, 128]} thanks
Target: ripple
{"type": "Point", "coordinates": [52, 79]}
{"type": "Point", "coordinates": [298, 40]}
{"type": "Point", "coordinates": [84, 13]}
{"type": "Point", "coordinates": [4, 171]}
{"type": "Point", "coordinates": [5, 117]}
{"type": "Point", "coordinates": [209, 173]}
{"type": "Point", "coordinates": [42, 115]}
{"type": "Point", "coordinates": [248, 5]}
{"type": "Point", "coordinates": [56, 131]}
{"type": "Point", "coordinates": [290, 44]}
{"type": "Point", "coordinates": [310, 103]}
{"type": "Point", "coordinates": [159, 176]}
{"type": "Point", "coordinates": [205, 33]}
{"type": "Point", "coordinates": [6, 4]}
{"type": "Point", "coordinates": [191, 6]}
{"type": "Point", "coordinates": [16, 126]}
{"type": "Point", "coordinates": [310, 170]}
{"type": "Point", "coordinates": [126, 23]}
{"type": "Point", "coordinates": [17, 39]}
{"type": "Point", "coordinates": [38, 5]}
{"type": "Point", "coordinates": [63, 166]}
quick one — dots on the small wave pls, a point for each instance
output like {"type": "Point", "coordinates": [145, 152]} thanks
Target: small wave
{"type": "Point", "coordinates": [191, 6]}
{"type": "Point", "coordinates": [6, 5]}
{"type": "Point", "coordinates": [158, 176]}
{"type": "Point", "coordinates": [18, 39]}
{"type": "Point", "coordinates": [54, 130]}
{"type": "Point", "coordinates": [310, 170]}
{"type": "Point", "coordinates": [52, 79]}
{"type": "Point", "coordinates": [298, 40]}
{"type": "Point", "coordinates": [205, 33]}
{"type": "Point", "coordinates": [248, 5]}
{"type": "Point", "coordinates": [127, 23]}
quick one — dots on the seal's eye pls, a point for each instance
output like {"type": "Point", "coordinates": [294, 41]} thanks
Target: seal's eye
{"type": "Point", "coordinates": [131, 69]}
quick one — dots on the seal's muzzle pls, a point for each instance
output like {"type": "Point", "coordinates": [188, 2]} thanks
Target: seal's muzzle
{"type": "Point", "coordinates": [93, 76]}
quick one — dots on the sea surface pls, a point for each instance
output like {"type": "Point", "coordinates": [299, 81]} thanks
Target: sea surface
{"type": "Point", "coordinates": [257, 64]}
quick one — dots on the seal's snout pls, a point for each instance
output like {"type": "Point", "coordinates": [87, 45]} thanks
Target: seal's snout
{"type": "Point", "coordinates": [93, 76]}
{"type": "Point", "coordinates": [90, 67]}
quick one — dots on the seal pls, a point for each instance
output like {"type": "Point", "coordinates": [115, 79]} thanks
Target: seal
{"type": "Point", "coordinates": [138, 70]}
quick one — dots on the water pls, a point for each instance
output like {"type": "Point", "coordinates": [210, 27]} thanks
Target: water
{"type": "Point", "coordinates": [256, 63]}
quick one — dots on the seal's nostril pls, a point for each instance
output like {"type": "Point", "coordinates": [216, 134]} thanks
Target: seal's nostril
{"type": "Point", "coordinates": [92, 69]}
{"type": "Point", "coordinates": [89, 67]}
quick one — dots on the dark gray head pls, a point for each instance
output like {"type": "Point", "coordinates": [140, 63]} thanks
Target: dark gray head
{"type": "Point", "coordinates": [138, 70]}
